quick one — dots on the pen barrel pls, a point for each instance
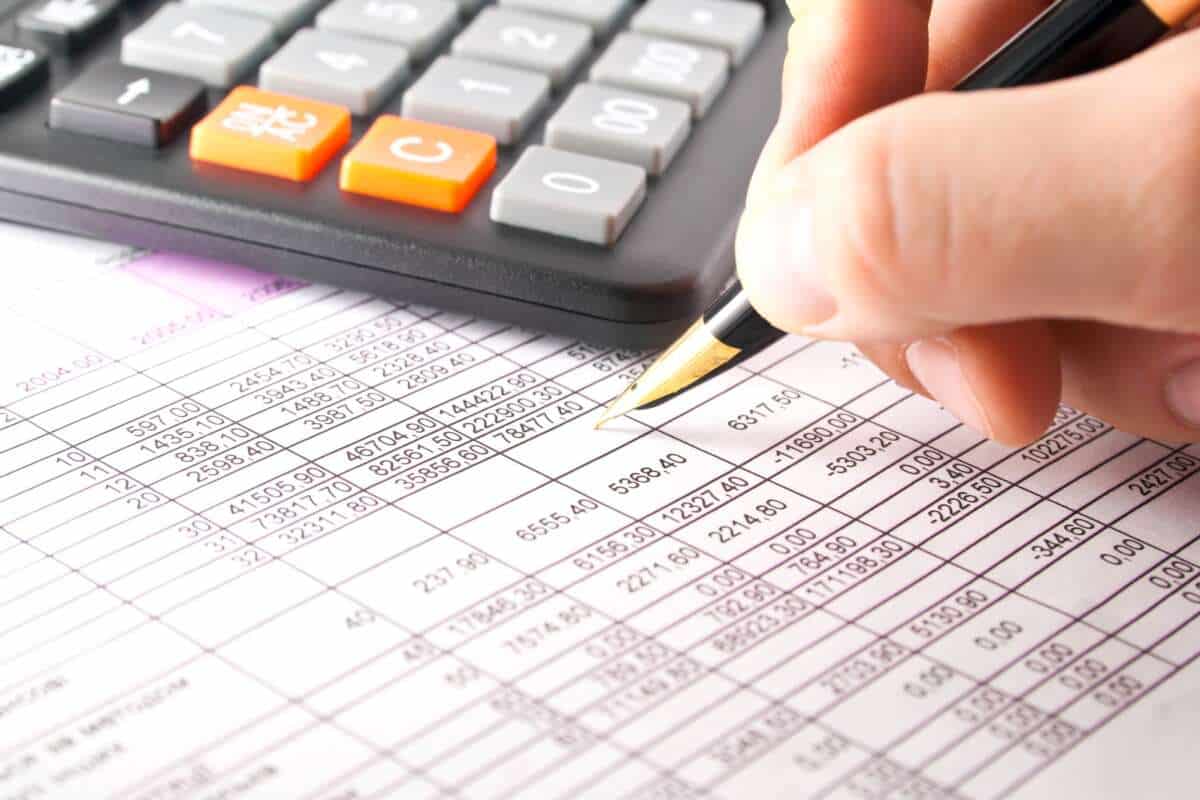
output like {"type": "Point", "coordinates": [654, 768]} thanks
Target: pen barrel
{"type": "Point", "coordinates": [1069, 38]}
{"type": "Point", "coordinates": [733, 321]}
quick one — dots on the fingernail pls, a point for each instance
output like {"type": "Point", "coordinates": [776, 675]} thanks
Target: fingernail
{"type": "Point", "coordinates": [777, 265]}
{"type": "Point", "coordinates": [1183, 394]}
{"type": "Point", "coordinates": [935, 364]}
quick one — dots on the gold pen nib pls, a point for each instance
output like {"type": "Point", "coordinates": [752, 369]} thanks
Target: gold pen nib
{"type": "Point", "coordinates": [694, 355]}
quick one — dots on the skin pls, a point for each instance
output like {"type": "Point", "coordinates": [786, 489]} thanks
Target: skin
{"type": "Point", "coordinates": [999, 251]}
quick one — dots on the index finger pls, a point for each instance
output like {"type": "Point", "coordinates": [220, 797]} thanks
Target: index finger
{"type": "Point", "coordinates": [845, 58]}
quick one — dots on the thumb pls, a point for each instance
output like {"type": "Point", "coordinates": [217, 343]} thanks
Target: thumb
{"type": "Point", "coordinates": [1071, 200]}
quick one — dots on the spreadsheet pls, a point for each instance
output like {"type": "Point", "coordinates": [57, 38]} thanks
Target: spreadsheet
{"type": "Point", "coordinates": [263, 539]}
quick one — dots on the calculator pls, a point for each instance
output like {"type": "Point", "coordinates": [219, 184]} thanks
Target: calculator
{"type": "Point", "coordinates": [575, 166]}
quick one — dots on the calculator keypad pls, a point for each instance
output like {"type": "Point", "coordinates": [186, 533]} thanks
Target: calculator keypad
{"type": "Point", "coordinates": [571, 195]}
{"type": "Point", "coordinates": [127, 104]}
{"type": "Point", "coordinates": [334, 68]}
{"type": "Point", "coordinates": [483, 71]}
{"type": "Point", "coordinates": [471, 94]}
{"type": "Point", "coordinates": [419, 26]}
{"type": "Point", "coordinates": [541, 44]}
{"type": "Point", "coordinates": [197, 42]}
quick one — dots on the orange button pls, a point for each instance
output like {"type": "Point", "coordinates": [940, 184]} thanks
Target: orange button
{"type": "Point", "coordinates": [420, 164]}
{"type": "Point", "coordinates": [272, 134]}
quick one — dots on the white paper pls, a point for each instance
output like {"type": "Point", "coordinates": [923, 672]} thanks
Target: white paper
{"type": "Point", "coordinates": [267, 540]}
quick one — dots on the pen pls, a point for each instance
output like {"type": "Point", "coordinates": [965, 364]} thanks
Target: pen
{"type": "Point", "coordinates": [1070, 37]}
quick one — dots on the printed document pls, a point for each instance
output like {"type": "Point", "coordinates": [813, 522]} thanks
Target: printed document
{"type": "Point", "coordinates": [263, 540]}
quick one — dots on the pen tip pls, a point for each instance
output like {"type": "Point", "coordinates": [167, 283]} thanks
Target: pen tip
{"type": "Point", "coordinates": [614, 410]}
{"type": "Point", "coordinates": [694, 355]}
{"type": "Point", "coordinates": [605, 418]}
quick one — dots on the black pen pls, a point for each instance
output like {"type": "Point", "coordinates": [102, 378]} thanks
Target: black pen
{"type": "Point", "coordinates": [1069, 38]}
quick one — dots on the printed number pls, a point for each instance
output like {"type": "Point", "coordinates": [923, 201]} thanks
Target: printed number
{"type": "Point", "coordinates": [626, 116]}
{"type": "Point", "coordinates": [571, 183]}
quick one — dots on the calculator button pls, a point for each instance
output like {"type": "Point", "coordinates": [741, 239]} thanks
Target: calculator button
{"type": "Point", "coordinates": [343, 70]}
{"type": "Point", "coordinates": [272, 134]}
{"type": "Point", "coordinates": [113, 101]}
{"type": "Point", "coordinates": [21, 70]}
{"type": "Point", "coordinates": [498, 101]}
{"type": "Point", "coordinates": [567, 194]}
{"type": "Point", "coordinates": [621, 125]}
{"type": "Point", "coordinates": [601, 15]}
{"type": "Point", "coordinates": [285, 16]}
{"type": "Point", "coordinates": [728, 25]}
{"type": "Point", "coordinates": [419, 164]}
{"type": "Point", "coordinates": [420, 26]}
{"type": "Point", "coordinates": [552, 47]}
{"type": "Point", "coordinates": [202, 43]}
{"type": "Point", "coordinates": [692, 74]}
{"type": "Point", "coordinates": [68, 25]}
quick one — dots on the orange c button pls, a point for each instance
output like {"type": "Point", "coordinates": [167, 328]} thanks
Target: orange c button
{"type": "Point", "coordinates": [419, 164]}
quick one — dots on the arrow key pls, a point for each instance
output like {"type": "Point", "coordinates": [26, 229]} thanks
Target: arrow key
{"type": "Point", "coordinates": [128, 104]}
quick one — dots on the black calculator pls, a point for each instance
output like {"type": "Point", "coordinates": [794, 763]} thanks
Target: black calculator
{"type": "Point", "coordinates": [576, 166]}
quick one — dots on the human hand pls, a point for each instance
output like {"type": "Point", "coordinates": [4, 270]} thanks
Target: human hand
{"type": "Point", "coordinates": [997, 251]}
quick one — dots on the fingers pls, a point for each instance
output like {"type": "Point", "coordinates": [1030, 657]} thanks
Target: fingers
{"type": "Point", "coordinates": [964, 32]}
{"type": "Point", "coordinates": [1003, 381]}
{"type": "Point", "coordinates": [833, 76]}
{"type": "Point", "coordinates": [953, 210]}
{"type": "Point", "coordinates": [1143, 382]}
{"type": "Point", "coordinates": [833, 72]}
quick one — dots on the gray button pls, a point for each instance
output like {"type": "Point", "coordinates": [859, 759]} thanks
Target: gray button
{"type": "Point", "coordinates": [201, 43]}
{"type": "Point", "coordinates": [498, 101]}
{"type": "Point", "coordinates": [580, 197]}
{"type": "Point", "coordinates": [601, 15]}
{"type": "Point", "coordinates": [621, 125]}
{"type": "Point", "coordinates": [693, 74]}
{"type": "Point", "coordinates": [334, 68]}
{"type": "Point", "coordinates": [552, 47]}
{"type": "Point", "coordinates": [730, 25]}
{"type": "Point", "coordinates": [128, 104]}
{"type": "Point", "coordinates": [284, 15]}
{"type": "Point", "coordinates": [421, 26]}
{"type": "Point", "coordinates": [68, 25]}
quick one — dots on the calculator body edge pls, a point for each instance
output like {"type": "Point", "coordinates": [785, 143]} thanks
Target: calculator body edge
{"type": "Point", "coordinates": [674, 257]}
